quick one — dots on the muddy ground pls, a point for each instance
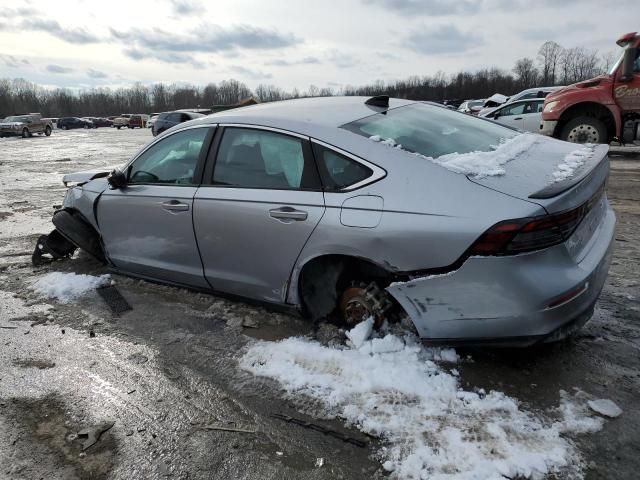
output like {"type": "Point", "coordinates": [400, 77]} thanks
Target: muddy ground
{"type": "Point", "coordinates": [166, 372]}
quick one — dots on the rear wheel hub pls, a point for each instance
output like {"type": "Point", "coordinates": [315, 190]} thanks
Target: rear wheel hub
{"type": "Point", "coordinates": [360, 302]}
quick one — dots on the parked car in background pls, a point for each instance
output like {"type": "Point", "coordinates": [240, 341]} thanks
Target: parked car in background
{"type": "Point", "coordinates": [152, 120]}
{"type": "Point", "coordinates": [137, 121]}
{"type": "Point", "coordinates": [100, 122]}
{"type": "Point", "coordinates": [530, 93]}
{"type": "Point", "coordinates": [67, 123]}
{"type": "Point", "coordinates": [166, 120]}
{"type": "Point", "coordinates": [121, 121]}
{"type": "Point", "coordinates": [492, 102]}
{"type": "Point", "coordinates": [471, 106]}
{"type": "Point", "coordinates": [521, 114]}
{"type": "Point", "coordinates": [306, 204]}
{"type": "Point", "coordinates": [25, 125]}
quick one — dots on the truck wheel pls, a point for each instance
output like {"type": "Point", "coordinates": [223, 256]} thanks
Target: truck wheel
{"type": "Point", "coordinates": [47, 131]}
{"type": "Point", "coordinates": [80, 233]}
{"type": "Point", "coordinates": [585, 130]}
{"type": "Point", "coordinates": [25, 133]}
{"type": "Point", "coordinates": [118, 127]}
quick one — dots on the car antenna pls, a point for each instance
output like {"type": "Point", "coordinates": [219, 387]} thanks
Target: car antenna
{"type": "Point", "coordinates": [378, 101]}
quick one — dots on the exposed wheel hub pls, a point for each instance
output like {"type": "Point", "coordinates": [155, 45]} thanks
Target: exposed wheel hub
{"type": "Point", "coordinates": [583, 133]}
{"type": "Point", "coordinates": [361, 302]}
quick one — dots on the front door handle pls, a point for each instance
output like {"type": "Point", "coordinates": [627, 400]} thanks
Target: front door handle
{"type": "Point", "coordinates": [288, 213]}
{"type": "Point", "coordinates": [518, 118]}
{"type": "Point", "coordinates": [175, 206]}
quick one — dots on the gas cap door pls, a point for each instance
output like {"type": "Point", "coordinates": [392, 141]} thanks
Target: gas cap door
{"type": "Point", "coordinates": [363, 211]}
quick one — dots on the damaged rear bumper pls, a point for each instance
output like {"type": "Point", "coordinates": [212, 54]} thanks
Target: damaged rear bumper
{"type": "Point", "coordinates": [511, 300]}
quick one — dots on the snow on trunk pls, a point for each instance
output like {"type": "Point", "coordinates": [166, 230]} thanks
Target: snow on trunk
{"type": "Point", "coordinates": [390, 387]}
{"type": "Point", "coordinates": [572, 162]}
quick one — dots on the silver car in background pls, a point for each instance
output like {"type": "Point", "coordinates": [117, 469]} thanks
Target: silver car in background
{"type": "Point", "coordinates": [522, 114]}
{"type": "Point", "coordinates": [299, 204]}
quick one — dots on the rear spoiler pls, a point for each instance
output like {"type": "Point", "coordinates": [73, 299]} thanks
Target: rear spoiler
{"type": "Point", "coordinates": [584, 172]}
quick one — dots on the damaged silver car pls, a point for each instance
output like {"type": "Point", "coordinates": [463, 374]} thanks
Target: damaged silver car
{"type": "Point", "coordinates": [349, 208]}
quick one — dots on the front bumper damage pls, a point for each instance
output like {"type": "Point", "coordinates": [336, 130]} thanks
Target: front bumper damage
{"type": "Point", "coordinates": [506, 300]}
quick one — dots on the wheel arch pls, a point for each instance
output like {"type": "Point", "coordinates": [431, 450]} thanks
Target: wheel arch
{"type": "Point", "coordinates": [328, 271]}
{"type": "Point", "coordinates": [608, 114]}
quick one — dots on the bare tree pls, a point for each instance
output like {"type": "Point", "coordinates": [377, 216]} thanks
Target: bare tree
{"type": "Point", "coordinates": [608, 59]}
{"type": "Point", "coordinates": [548, 56]}
{"type": "Point", "coordinates": [526, 72]}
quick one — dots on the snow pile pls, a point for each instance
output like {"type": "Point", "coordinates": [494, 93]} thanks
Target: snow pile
{"type": "Point", "coordinates": [66, 287]}
{"type": "Point", "coordinates": [478, 164]}
{"type": "Point", "coordinates": [605, 407]}
{"type": "Point", "coordinates": [572, 161]}
{"type": "Point", "coordinates": [390, 387]}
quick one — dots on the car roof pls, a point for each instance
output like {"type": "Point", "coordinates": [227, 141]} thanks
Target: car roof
{"type": "Point", "coordinates": [305, 115]}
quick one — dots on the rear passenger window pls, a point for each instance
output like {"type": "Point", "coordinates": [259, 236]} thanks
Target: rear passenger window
{"type": "Point", "coordinates": [337, 171]}
{"type": "Point", "coordinates": [261, 159]}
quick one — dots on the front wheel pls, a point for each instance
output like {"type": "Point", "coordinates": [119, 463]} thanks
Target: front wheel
{"type": "Point", "coordinates": [585, 130]}
{"type": "Point", "coordinates": [118, 127]}
{"type": "Point", "coordinates": [25, 133]}
{"type": "Point", "coordinates": [47, 131]}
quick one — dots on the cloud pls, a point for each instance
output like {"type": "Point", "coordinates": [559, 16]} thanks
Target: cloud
{"type": "Point", "coordinates": [58, 69]}
{"type": "Point", "coordinates": [96, 74]}
{"type": "Point", "coordinates": [52, 27]}
{"type": "Point", "coordinates": [14, 62]}
{"type": "Point", "coordinates": [280, 62]}
{"type": "Point", "coordinates": [207, 38]}
{"type": "Point", "coordinates": [186, 7]}
{"type": "Point", "coordinates": [249, 73]}
{"type": "Point", "coordinates": [18, 12]}
{"type": "Point", "coordinates": [431, 8]}
{"type": "Point", "coordinates": [542, 34]}
{"type": "Point", "coordinates": [166, 57]}
{"type": "Point", "coordinates": [341, 59]}
{"type": "Point", "coordinates": [440, 40]}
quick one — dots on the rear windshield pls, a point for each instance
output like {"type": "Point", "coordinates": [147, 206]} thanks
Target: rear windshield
{"type": "Point", "coordinates": [431, 131]}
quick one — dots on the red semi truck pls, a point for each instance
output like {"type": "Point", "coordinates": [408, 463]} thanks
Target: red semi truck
{"type": "Point", "coordinates": [601, 109]}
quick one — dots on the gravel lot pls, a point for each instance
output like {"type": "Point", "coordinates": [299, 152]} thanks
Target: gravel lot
{"type": "Point", "coordinates": [167, 372]}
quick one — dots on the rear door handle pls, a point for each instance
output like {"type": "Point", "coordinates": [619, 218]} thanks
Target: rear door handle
{"type": "Point", "coordinates": [288, 213]}
{"type": "Point", "coordinates": [175, 206]}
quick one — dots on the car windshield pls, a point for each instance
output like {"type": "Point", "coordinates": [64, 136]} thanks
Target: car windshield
{"type": "Point", "coordinates": [15, 119]}
{"type": "Point", "coordinates": [431, 131]}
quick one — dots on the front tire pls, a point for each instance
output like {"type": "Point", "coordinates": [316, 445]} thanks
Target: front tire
{"type": "Point", "coordinates": [585, 130]}
{"type": "Point", "coordinates": [47, 131]}
{"type": "Point", "coordinates": [25, 133]}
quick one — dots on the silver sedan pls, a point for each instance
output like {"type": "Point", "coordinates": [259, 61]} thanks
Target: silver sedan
{"type": "Point", "coordinates": [349, 208]}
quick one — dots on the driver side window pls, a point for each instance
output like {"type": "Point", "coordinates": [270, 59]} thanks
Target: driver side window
{"type": "Point", "coordinates": [171, 161]}
{"type": "Point", "coordinates": [514, 110]}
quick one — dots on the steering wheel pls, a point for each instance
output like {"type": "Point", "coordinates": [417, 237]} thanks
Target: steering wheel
{"type": "Point", "coordinates": [142, 176]}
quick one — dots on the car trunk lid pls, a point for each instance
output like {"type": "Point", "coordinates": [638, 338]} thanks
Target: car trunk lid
{"type": "Point", "coordinates": [556, 175]}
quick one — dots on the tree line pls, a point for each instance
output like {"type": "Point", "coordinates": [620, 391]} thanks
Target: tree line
{"type": "Point", "coordinates": [554, 65]}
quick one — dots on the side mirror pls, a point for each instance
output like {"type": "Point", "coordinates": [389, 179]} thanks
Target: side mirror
{"type": "Point", "coordinates": [117, 179]}
{"type": "Point", "coordinates": [627, 65]}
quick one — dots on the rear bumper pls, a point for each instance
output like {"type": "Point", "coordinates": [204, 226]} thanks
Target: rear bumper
{"type": "Point", "coordinates": [512, 300]}
{"type": "Point", "coordinates": [548, 127]}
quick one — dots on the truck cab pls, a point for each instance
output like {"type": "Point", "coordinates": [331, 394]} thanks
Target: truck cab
{"type": "Point", "coordinates": [601, 109]}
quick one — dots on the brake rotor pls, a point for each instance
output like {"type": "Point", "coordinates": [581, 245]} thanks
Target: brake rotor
{"type": "Point", "coordinates": [358, 303]}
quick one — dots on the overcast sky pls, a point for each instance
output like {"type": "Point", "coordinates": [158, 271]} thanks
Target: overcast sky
{"type": "Point", "coordinates": [86, 43]}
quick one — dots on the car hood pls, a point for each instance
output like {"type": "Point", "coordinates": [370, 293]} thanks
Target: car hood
{"type": "Point", "coordinates": [543, 174]}
{"type": "Point", "coordinates": [11, 124]}
{"type": "Point", "coordinates": [80, 178]}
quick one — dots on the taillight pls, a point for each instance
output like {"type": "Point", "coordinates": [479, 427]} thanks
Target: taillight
{"type": "Point", "coordinates": [527, 234]}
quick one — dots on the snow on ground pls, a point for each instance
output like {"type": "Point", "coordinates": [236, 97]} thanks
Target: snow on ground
{"type": "Point", "coordinates": [572, 161]}
{"type": "Point", "coordinates": [605, 407]}
{"type": "Point", "coordinates": [478, 164]}
{"type": "Point", "coordinates": [391, 388]}
{"type": "Point", "coordinates": [66, 287]}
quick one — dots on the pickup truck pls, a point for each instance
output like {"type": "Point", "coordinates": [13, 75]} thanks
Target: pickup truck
{"type": "Point", "coordinates": [122, 121]}
{"type": "Point", "coordinates": [25, 125]}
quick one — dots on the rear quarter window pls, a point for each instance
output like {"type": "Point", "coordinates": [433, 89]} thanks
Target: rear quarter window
{"type": "Point", "coordinates": [338, 172]}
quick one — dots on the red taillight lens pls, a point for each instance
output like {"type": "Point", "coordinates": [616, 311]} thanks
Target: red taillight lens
{"type": "Point", "coordinates": [528, 234]}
